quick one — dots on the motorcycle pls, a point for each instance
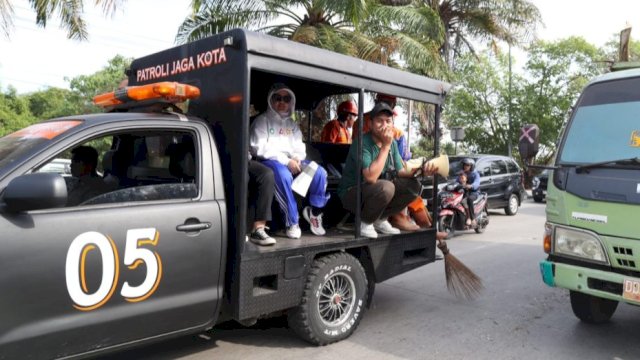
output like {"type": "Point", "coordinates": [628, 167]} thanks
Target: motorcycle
{"type": "Point", "coordinates": [452, 215]}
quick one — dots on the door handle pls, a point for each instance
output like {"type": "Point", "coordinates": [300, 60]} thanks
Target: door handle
{"type": "Point", "coordinates": [194, 227]}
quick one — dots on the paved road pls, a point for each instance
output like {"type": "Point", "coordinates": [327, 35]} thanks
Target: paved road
{"type": "Point", "coordinates": [413, 316]}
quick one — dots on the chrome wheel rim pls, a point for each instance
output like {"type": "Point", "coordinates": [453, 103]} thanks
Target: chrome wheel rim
{"type": "Point", "coordinates": [513, 204]}
{"type": "Point", "coordinates": [337, 299]}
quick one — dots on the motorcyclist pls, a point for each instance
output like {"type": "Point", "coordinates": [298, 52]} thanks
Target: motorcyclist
{"type": "Point", "coordinates": [472, 187]}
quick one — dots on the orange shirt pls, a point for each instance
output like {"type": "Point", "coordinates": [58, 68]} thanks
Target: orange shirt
{"type": "Point", "coordinates": [334, 132]}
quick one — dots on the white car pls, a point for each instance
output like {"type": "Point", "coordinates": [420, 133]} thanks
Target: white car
{"type": "Point", "coordinates": [58, 166]}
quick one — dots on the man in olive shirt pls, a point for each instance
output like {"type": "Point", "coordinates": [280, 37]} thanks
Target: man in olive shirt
{"type": "Point", "coordinates": [388, 187]}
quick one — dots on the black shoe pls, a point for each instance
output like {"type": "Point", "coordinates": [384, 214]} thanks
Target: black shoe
{"type": "Point", "coordinates": [259, 236]}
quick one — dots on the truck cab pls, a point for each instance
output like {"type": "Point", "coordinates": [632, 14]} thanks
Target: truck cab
{"type": "Point", "coordinates": [593, 195]}
{"type": "Point", "coordinates": [162, 250]}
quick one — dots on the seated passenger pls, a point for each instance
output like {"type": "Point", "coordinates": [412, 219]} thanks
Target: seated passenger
{"type": "Point", "coordinates": [84, 160]}
{"type": "Point", "coordinates": [388, 186]}
{"type": "Point", "coordinates": [339, 131]}
{"type": "Point", "coordinates": [277, 139]}
{"type": "Point", "coordinates": [416, 207]}
{"type": "Point", "coordinates": [261, 186]}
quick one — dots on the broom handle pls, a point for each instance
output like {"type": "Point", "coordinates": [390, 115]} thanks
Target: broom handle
{"type": "Point", "coordinates": [442, 245]}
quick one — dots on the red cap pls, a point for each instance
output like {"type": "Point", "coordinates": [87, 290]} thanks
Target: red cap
{"type": "Point", "coordinates": [348, 107]}
{"type": "Point", "coordinates": [385, 97]}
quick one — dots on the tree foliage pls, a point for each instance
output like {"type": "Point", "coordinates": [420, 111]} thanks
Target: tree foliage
{"type": "Point", "coordinates": [69, 12]}
{"type": "Point", "coordinates": [104, 80]}
{"type": "Point", "coordinates": [551, 82]}
{"type": "Point", "coordinates": [18, 111]}
{"type": "Point", "coordinates": [556, 72]}
{"type": "Point", "coordinates": [14, 112]}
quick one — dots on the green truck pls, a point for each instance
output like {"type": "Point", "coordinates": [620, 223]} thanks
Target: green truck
{"type": "Point", "coordinates": [592, 233]}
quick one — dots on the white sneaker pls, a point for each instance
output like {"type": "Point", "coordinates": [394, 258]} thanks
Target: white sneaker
{"type": "Point", "coordinates": [384, 227]}
{"type": "Point", "coordinates": [259, 236]}
{"type": "Point", "coordinates": [315, 222]}
{"type": "Point", "coordinates": [367, 230]}
{"type": "Point", "coordinates": [294, 232]}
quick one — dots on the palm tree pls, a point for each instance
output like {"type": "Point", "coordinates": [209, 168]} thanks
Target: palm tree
{"type": "Point", "coordinates": [367, 29]}
{"type": "Point", "coordinates": [324, 23]}
{"type": "Point", "coordinates": [69, 11]}
{"type": "Point", "coordinates": [512, 21]}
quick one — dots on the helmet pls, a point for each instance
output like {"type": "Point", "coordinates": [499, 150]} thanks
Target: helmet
{"type": "Point", "coordinates": [348, 106]}
{"type": "Point", "coordinates": [468, 161]}
{"type": "Point", "coordinates": [385, 98]}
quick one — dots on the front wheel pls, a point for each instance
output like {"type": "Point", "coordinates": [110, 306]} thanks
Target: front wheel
{"type": "Point", "coordinates": [446, 224]}
{"type": "Point", "coordinates": [512, 205]}
{"type": "Point", "coordinates": [591, 309]}
{"type": "Point", "coordinates": [333, 301]}
{"type": "Point", "coordinates": [483, 221]}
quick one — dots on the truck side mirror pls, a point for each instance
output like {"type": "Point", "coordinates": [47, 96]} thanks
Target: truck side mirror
{"type": "Point", "coordinates": [35, 191]}
{"type": "Point", "coordinates": [529, 142]}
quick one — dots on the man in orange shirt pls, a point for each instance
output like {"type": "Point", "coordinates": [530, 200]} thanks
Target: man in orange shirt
{"type": "Point", "coordinates": [337, 131]}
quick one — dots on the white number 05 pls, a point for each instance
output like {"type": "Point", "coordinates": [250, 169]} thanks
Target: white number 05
{"type": "Point", "coordinates": [134, 256]}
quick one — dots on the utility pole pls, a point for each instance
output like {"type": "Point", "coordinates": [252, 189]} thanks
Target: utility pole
{"type": "Point", "coordinates": [509, 105]}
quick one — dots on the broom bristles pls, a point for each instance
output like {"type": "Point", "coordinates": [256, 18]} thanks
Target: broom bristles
{"type": "Point", "coordinates": [461, 281]}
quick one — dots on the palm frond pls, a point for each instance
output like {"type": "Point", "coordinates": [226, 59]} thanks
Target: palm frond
{"type": "Point", "coordinates": [109, 7]}
{"type": "Point", "coordinates": [6, 14]}
{"type": "Point", "coordinates": [220, 17]}
{"type": "Point", "coordinates": [70, 12]}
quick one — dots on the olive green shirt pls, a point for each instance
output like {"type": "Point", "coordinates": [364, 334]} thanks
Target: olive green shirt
{"type": "Point", "coordinates": [370, 152]}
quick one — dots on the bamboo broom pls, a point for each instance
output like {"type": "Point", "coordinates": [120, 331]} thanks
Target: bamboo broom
{"type": "Point", "coordinates": [461, 281]}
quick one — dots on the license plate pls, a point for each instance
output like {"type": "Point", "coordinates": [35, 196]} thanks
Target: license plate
{"type": "Point", "coordinates": [631, 289]}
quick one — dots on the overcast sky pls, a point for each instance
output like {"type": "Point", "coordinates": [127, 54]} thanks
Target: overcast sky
{"type": "Point", "coordinates": [34, 58]}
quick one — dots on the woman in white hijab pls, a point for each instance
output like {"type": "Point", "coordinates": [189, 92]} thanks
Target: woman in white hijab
{"type": "Point", "coordinates": [277, 140]}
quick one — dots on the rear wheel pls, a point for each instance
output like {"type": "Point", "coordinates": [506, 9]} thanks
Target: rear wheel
{"type": "Point", "coordinates": [333, 301]}
{"type": "Point", "coordinates": [512, 206]}
{"type": "Point", "coordinates": [538, 199]}
{"type": "Point", "coordinates": [445, 224]}
{"type": "Point", "coordinates": [591, 309]}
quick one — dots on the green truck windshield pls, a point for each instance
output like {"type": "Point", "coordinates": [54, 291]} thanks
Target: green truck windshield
{"type": "Point", "coordinates": [605, 125]}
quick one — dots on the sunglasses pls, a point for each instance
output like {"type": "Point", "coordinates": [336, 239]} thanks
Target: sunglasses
{"type": "Point", "coordinates": [280, 98]}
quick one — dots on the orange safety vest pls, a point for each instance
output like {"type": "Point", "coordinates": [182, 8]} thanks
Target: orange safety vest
{"type": "Point", "coordinates": [334, 132]}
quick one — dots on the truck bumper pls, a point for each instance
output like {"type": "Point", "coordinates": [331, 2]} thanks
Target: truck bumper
{"type": "Point", "coordinates": [598, 283]}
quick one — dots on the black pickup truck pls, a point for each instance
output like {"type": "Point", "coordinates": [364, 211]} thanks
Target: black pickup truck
{"type": "Point", "coordinates": [164, 252]}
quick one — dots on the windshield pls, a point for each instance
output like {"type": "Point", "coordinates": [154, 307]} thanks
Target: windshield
{"type": "Point", "coordinates": [605, 124]}
{"type": "Point", "coordinates": [17, 144]}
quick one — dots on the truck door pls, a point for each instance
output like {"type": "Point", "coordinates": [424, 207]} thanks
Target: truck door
{"type": "Point", "coordinates": [140, 259]}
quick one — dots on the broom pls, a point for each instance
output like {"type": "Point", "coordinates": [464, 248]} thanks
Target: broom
{"type": "Point", "coordinates": [461, 281]}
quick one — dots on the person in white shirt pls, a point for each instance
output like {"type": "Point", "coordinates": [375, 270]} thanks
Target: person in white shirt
{"type": "Point", "coordinates": [277, 140]}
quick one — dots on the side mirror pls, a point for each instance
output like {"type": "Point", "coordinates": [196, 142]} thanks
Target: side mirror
{"type": "Point", "coordinates": [529, 142]}
{"type": "Point", "coordinates": [35, 191]}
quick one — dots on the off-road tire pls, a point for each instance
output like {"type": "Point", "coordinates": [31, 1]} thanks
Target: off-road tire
{"type": "Point", "coordinates": [512, 206]}
{"type": "Point", "coordinates": [591, 309]}
{"type": "Point", "coordinates": [337, 279]}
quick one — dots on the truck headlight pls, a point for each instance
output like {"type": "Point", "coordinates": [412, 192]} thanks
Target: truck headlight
{"type": "Point", "coordinates": [579, 244]}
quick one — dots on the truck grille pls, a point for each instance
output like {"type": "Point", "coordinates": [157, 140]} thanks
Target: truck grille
{"type": "Point", "coordinates": [623, 257]}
